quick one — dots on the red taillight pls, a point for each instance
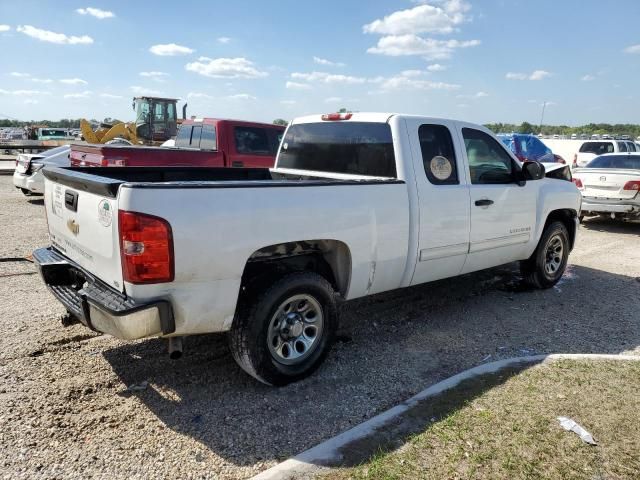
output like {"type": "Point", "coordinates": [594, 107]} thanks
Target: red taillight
{"type": "Point", "coordinates": [578, 183]}
{"type": "Point", "coordinates": [632, 185]}
{"type": "Point", "coordinates": [332, 117]}
{"type": "Point", "coordinates": [559, 159]}
{"type": "Point", "coordinates": [146, 248]}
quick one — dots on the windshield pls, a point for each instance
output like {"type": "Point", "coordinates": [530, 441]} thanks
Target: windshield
{"type": "Point", "coordinates": [49, 132]}
{"type": "Point", "coordinates": [357, 148]}
{"type": "Point", "coordinates": [631, 162]}
{"type": "Point", "coordinates": [599, 148]}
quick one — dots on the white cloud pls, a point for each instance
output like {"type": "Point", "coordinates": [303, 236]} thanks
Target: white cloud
{"type": "Point", "coordinates": [633, 49]}
{"type": "Point", "coordinates": [324, 77]}
{"type": "Point", "coordinates": [137, 90]}
{"type": "Point", "coordinates": [73, 81]}
{"type": "Point", "coordinates": [408, 80]}
{"type": "Point", "coordinates": [85, 94]}
{"type": "Point", "coordinates": [431, 49]}
{"type": "Point", "coordinates": [288, 102]}
{"type": "Point", "coordinates": [426, 18]}
{"type": "Point", "coordinates": [327, 63]}
{"type": "Point", "coordinates": [4, 28]}
{"type": "Point", "coordinates": [297, 86]}
{"type": "Point", "coordinates": [200, 95]}
{"type": "Point", "coordinates": [436, 67]}
{"type": "Point", "coordinates": [23, 93]}
{"type": "Point", "coordinates": [241, 96]}
{"type": "Point", "coordinates": [333, 100]}
{"type": "Point", "coordinates": [588, 78]}
{"type": "Point", "coordinates": [412, 73]}
{"type": "Point", "coordinates": [31, 101]}
{"type": "Point", "coordinates": [95, 12]}
{"type": "Point", "coordinates": [155, 76]}
{"type": "Point", "coordinates": [20, 75]}
{"type": "Point", "coordinates": [535, 75]}
{"type": "Point", "coordinates": [53, 37]}
{"type": "Point", "coordinates": [41, 80]}
{"type": "Point", "coordinates": [475, 95]}
{"type": "Point", "coordinates": [224, 40]}
{"type": "Point", "coordinates": [225, 68]}
{"type": "Point", "coordinates": [400, 82]}
{"type": "Point", "coordinates": [109, 95]}
{"type": "Point", "coordinates": [170, 50]}
{"type": "Point", "coordinates": [539, 75]}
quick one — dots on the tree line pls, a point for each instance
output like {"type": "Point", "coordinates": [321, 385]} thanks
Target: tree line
{"type": "Point", "coordinates": [590, 129]}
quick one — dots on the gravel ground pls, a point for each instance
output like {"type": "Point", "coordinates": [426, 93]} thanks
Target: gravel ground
{"type": "Point", "coordinates": [66, 410]}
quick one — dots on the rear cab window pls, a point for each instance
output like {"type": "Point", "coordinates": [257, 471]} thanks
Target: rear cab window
{"type": "Point", "coordinates": [438, 155]}
{"type": "Point", "coordinates": [357, 148]}
{"type": "Point", "coordinates": [599, 148]}
{"type": "Point", "coordinates": [197, 135]}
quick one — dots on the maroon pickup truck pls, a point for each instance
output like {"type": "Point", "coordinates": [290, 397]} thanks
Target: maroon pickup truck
{"type": "Point", "coordinates": [204, 142]}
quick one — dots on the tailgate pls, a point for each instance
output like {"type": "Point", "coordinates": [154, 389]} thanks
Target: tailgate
{"type": "Point", "coordinates": [584, 157]}
{"type": "Point", "coordinates": [83, 225]}
{"type": "Point", "coordinates": [607, 183]}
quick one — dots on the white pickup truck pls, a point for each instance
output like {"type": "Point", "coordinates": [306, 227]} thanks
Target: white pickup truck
{"type": "Point", "coordinates": [357, 204]}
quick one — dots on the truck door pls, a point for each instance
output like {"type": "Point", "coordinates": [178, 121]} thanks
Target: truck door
{"type": "Point", "coordinates": [250, 147]}
{"type": "Point", "coordinates": [503, 212]}
{"type": "Point", "coordinates": [443, 195]}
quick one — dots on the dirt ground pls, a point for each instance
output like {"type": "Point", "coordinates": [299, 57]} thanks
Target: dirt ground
{"type": "Point", "coordinates": [65, 410]}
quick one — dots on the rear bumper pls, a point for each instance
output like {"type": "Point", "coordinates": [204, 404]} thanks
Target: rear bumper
{"type": "Point", "coordinates": [602, 207]}
{"type": "Point", "coordinates": [32, 182]}
{"type": "Point", "coordinates": [98, 306]}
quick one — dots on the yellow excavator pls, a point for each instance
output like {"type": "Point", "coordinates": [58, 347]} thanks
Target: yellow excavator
{"type": "Point", "coordinates": [156, 122]}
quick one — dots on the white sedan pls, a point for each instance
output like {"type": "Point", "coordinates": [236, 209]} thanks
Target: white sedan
{"type": "Point", "coordinates": [610, 185]}
{"type": "Point", "coordinates": [28, 175]}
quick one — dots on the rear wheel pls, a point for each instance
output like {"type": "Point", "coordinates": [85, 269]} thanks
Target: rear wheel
{"type": "Point", "coordinates": [284, 333]}
{"type": "Point", "coordinates": [548, 263]}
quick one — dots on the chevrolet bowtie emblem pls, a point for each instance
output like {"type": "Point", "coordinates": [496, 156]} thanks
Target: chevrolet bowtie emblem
{"type": "Point", "coordinates": [73, 226]}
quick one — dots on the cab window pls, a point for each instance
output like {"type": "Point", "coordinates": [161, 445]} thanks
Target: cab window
{"type": "Point", "coordinates": [251, 141]}
{"type": "Point", "coordinates": [489, 163]}
{"type": "Point", "coordinates": [438, 156]}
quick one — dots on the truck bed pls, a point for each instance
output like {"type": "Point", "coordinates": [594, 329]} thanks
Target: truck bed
{"type": "Point", "coordinates": [107, 180]}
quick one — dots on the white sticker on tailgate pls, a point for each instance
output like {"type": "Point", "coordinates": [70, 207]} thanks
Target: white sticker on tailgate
{"type": "Point", "coordinates": [57, 200]}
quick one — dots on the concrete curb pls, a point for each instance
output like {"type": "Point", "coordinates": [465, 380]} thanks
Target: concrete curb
{"type": "Point", "coordinates": [316, 458]}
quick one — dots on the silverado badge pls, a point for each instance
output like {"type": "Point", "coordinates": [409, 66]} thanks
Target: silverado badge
{"type": "Point", "coordinates": [73, 226]}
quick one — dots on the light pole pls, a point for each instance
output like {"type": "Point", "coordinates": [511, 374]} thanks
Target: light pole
{"type": "Point", "coordinates": [544, 106]}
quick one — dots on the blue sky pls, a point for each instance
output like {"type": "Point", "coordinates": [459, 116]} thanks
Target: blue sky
{"type": "Point", "coordinates": [477, 60]}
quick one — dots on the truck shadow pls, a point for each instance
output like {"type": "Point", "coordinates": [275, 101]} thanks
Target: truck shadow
{"type": "Point", "coordinates": [603, 224]}
{"type": "Point", "coordinates": [390, 346]}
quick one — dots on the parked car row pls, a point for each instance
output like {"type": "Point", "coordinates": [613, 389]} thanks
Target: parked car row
{"type": "Point", "coordinates": [357, 204]}
{"type": "Point", "coordinates": [610, 185]}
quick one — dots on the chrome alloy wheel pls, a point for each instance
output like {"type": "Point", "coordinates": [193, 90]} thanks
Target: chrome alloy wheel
{"type": "Point", "coordinates": [295, 329]}
{"type": "Point", "coordinates": [554, 255]}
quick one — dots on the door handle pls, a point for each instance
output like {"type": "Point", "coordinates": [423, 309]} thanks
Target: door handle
{"type": "Point", "coordinates": [485, 202]}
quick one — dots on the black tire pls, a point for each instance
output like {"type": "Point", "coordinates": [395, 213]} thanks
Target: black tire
{"type": "Point", "coordinates": [248, 338]}
{"type": "Point", "coordinates": [534, 269]}
{"type": "Point", "coordinates": [25, 192]}
{"type": "Point", "coordinates": [581, 218]}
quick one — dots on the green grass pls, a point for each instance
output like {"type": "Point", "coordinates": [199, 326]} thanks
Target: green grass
{"type": "Point", "coordinates": [504, 426]}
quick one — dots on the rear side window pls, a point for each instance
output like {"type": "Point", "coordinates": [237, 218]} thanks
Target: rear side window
{"type": "Point", "coordinates": [599, 148]}
{"type": "Point", "coordinates": [208, 139]}
{"type": "Point", "coordinates": [631, 162]}
{"type": "Point", "coordinates": [622, 146]}
{"type": "Point", "coordinates": [359, 148]}
{"type": "Point", "coordinates": [438, 156]}
{"type": "Point", "coordinates": [252, 141]}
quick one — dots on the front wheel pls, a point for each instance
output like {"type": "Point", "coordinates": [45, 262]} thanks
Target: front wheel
{"type": "Point", "coordinates": [25, 192]}
{"type": "Point", "coordinates": [548, 263]}
{"type": "Point", "coordinates": [284, 333]}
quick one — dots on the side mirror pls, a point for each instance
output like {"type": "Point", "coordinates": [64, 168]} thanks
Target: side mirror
{"type": "Point", "coordinates": [532, 171]}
